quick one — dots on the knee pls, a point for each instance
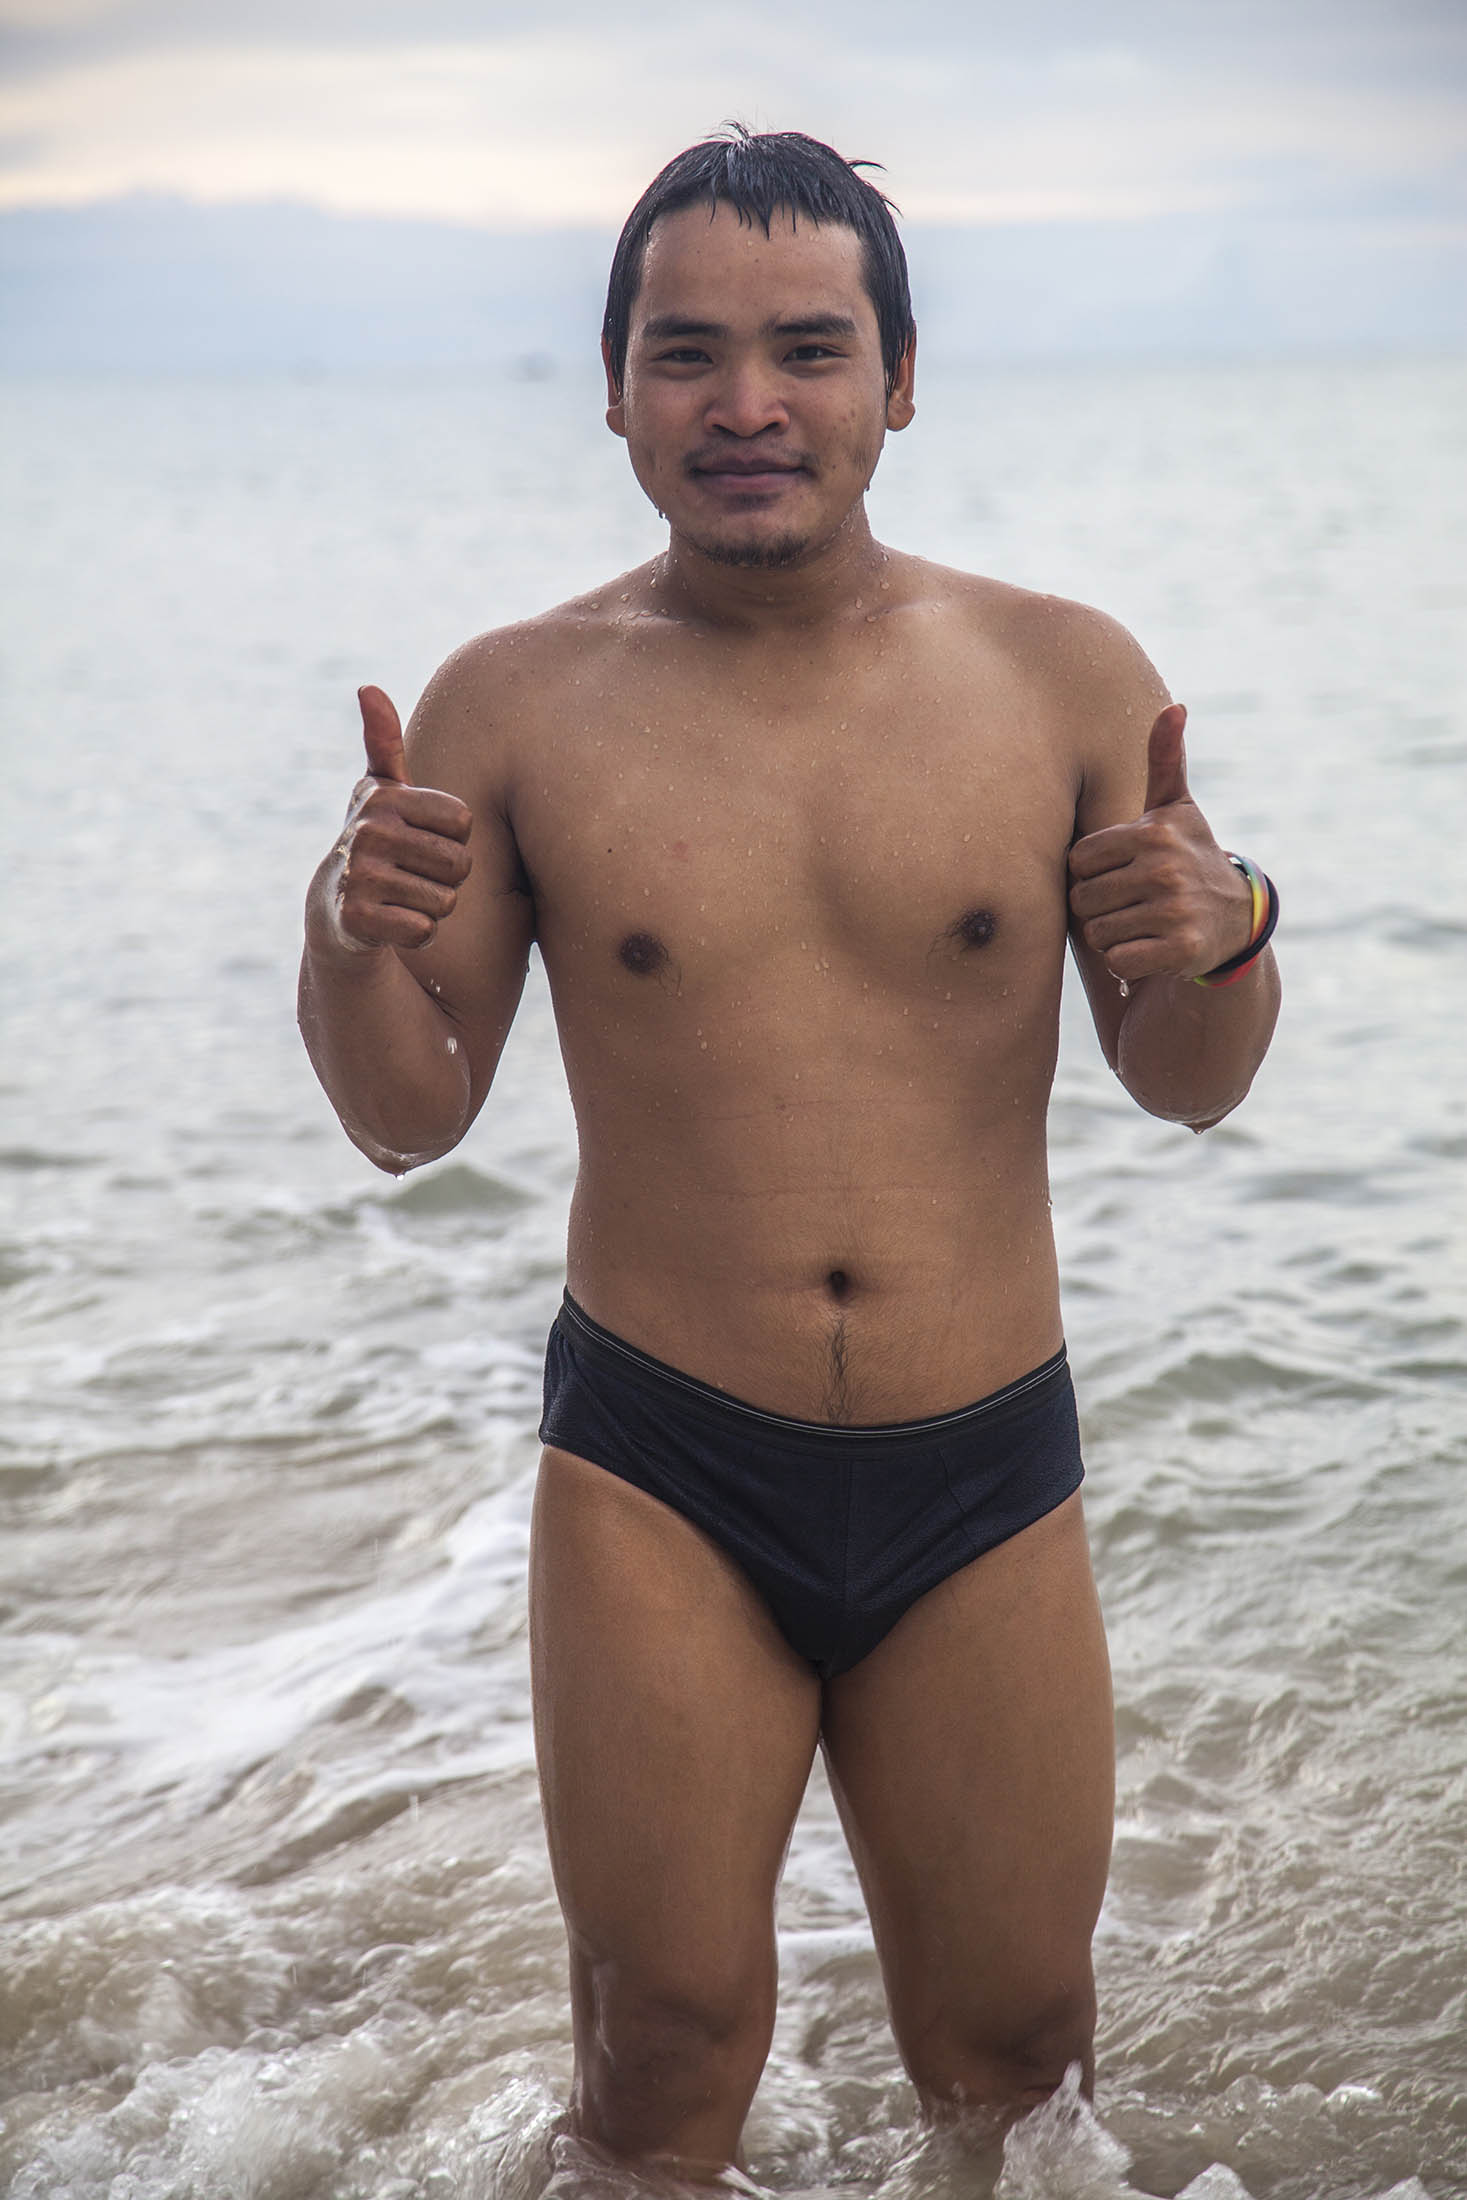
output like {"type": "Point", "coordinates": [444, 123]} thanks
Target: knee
{"type": "Point", "coordinates": [1008, 2060]}
{"type": "Point", "coordinates": [669, 2063]}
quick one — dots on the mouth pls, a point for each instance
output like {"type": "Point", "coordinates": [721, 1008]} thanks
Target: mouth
{"type": "Point", "coordinates": [746, 475]}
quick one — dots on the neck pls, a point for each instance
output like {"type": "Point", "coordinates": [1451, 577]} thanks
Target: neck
{"type": "Point", "coordinates": [828, 582]}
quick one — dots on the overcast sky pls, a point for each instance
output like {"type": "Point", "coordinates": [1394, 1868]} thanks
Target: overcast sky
{"type": "Point", "coordinates": [516, 116]}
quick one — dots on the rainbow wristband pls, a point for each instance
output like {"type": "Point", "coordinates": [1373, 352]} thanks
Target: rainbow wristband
{"type": "Point", "coordinates": [1261, 931]}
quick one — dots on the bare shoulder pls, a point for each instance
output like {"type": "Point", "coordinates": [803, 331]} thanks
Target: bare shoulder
{"type": "Point", "coordinates": [482, 704]}
{"type": "Point", "coordinates": [1095, 686]}
{"type": "Point", "coordinates": [1093, 666]}
{"type": "Point", "coordinates": [1081, 654]}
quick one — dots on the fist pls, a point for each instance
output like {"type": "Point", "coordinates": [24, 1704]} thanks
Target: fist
{"type": "Point", "coordinates": [403, 852]}
{"type": "Point", "coordinates": [1158, 897]}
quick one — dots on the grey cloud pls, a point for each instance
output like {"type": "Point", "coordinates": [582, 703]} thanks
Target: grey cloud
{"type": "Point", "coordinates": [1405, 39]}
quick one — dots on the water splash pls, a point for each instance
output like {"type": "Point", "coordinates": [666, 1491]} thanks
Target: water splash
{"type": "Point", "coordinates": [1063, 2152]}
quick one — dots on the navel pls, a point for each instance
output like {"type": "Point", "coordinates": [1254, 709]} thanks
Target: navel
{"type": "Point", "coordinates": [643, 954]}
{"type": "Point", "coordinates": [839, 1283]}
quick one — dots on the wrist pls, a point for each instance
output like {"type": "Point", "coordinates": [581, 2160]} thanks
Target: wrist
{"type": "Point", "coordinates": [328, 943]}
{"type": "Point", "coordinates": [1265, 916]}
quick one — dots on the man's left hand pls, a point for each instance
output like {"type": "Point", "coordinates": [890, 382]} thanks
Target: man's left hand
{"type": "Point", "coordinates": [1158, 898]}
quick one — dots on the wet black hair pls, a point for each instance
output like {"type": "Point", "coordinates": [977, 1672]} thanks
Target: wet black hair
{"type": "Point", "coordinates": [756, 175]}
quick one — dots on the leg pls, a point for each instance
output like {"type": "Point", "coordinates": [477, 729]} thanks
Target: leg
{"type": "Point", "coordinates": [972, 1758]}
{"type": "Point", "coordinates": [675, 1730]}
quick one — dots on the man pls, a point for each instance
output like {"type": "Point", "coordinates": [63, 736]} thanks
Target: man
{"type": "Point", "coordinates": [800, 825]}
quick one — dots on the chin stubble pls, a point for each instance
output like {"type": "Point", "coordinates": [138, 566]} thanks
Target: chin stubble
{"type": "Point", "coordinates": [757, 556]}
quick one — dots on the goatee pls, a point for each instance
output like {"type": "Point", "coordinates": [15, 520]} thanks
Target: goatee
{"type": "Point", "coordinates": [784, 550]}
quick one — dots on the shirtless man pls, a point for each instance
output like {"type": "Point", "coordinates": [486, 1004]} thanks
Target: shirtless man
{"type": "Point", "coordinates": [801, 826]}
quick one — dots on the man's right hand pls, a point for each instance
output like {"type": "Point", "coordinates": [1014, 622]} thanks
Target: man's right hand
{"type": "Point", "coordinates": [403, 852]}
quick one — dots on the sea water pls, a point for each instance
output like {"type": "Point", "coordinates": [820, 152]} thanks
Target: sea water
{"type": "Point", "coordinates": [275, 1914]}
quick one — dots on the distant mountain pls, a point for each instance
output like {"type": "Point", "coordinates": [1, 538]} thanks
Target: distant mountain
{"type": "Point", "coordinates": [142, 283]}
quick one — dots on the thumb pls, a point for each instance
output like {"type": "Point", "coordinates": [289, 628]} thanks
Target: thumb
{"type": "Point", "coordinates": [1166, 759]}
{"type": "Point", "coordinates": [382, 733]}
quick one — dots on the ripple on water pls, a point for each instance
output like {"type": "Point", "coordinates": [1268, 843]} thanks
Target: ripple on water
{"type": "Point", "coordinates": [1247, 1380]}
{"type": "Point", "coordinates": [459, 1188]}
{"type": "Point", "coordinates": [27, 1160]}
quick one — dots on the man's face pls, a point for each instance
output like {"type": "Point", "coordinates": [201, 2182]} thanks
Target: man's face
{"type": "Point", "coordinates": [754, 401]}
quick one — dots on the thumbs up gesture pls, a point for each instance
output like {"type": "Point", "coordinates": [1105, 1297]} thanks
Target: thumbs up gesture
{"type": "Point", "coordinates": [403, 854]}
{"type": "Point", "coordinates": [1158, 897]}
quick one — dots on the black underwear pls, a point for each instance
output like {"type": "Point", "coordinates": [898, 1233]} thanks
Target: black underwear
{"type": "Point", "coordinates": [840, 1529]}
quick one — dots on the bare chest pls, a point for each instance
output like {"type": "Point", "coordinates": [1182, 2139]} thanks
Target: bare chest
{"type": "Point", "coordinates": [908, 826]}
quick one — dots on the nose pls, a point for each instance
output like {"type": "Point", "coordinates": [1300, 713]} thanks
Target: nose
{"type": "Point", "coordinates": [747, 400]}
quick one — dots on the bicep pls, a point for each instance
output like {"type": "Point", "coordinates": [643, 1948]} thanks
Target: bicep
{"type": "Point", "coordinates": [1119, 695]}
{"type": "Point", "coordinates": [474, 966]}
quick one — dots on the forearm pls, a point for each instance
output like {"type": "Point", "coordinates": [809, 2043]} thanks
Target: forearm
{"type": "Point", "coordinates": [1189, 1053]}
{"type": "Point", "coordinates": [386, 1052]}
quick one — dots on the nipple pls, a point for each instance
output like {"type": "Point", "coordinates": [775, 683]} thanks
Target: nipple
{"type": "Point", "coordinates": [975, 928]}
{"type": "Point", "coordinates": [643, 954]}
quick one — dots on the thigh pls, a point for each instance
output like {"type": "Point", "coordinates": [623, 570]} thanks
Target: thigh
{"type": "Point", "coordinates": [675, 1730]}
{"type": "Point", "coordinates": [972, 1756]}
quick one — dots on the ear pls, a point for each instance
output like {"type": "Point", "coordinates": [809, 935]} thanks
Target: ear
{"type": "Point", "coordinates": [902, 405]}
{"type": "Point", "coordinates": [616, 418]}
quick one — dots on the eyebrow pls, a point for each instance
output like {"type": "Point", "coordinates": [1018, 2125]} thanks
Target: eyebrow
{"type": "Point", "coordinates": [664, 326]}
